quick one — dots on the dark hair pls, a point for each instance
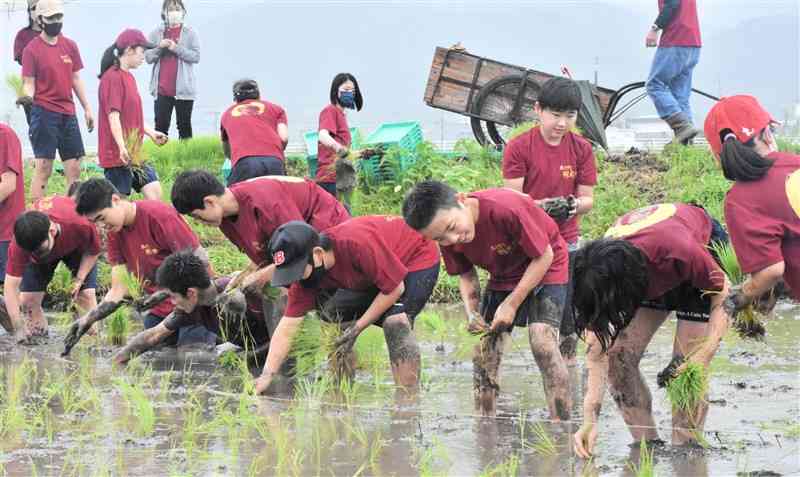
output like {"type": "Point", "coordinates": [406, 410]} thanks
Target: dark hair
{"type": "Point", "coordinates": [561, 95]}
{"type": "Point", "coordinates": [245, 89]}
{"type": "Point", "coordinates": [425, 200]}
{"type": "Point", "coordinates": [31, 229]}
{"type": "Point", "coordinates": [110, 58]}
{"type": "Point", "coordinates": [338, 80]}
{"type": "Point", "coordinates": [168, 3]}
{"type": "Point", "coordinates": [610, 281]}
{"type": "Point", "coordinates": [181, 271]}
{"type": "Point", "coordinates": [191, 187]}
{"type": "Point", "coordinates": [94, 195]}
{"type": "Point", "coordinates": [73, 189]}
{"type": "Point", "coordinates": [739, 161]}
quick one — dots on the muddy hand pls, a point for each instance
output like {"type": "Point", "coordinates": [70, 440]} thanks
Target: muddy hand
{"type": "Point", "coordinates": [736, 301]}
{"type": "Point", "coordinates": [585, 439]}
{"type": "Point", "coordinates": [149, 301]}
{"type": "Point", "coordinates": [262, 383]}
{"type": "Point", "coordinates": [476, 325]}
{"type": "Point", "coordinates": [667, 374]}
{"type": "Point", "coordinates": [76, 331]}
{"type": "Point", "coordinates": [24, 101]}
{"type": "Point", "coordinates": [556, 207]}
{"type": "Point", "coordinates": [346, 341]}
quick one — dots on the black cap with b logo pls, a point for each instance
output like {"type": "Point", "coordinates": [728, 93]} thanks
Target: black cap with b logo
{"type": "Point", "coordinates": [290, 249]}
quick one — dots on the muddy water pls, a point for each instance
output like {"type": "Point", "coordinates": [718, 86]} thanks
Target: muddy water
{"type": "Point", "coordinates": [202, 427]}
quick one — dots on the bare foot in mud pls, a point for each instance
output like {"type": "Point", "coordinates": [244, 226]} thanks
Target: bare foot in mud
{"type": "Point", "coordinates": [38, 328]}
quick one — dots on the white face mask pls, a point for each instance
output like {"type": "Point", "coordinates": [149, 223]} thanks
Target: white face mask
{"type": "Point", "coordinates": [175, 17]}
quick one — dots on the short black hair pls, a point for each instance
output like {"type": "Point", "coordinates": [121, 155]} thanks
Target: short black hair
{"type": "Point", "coordinates": [31, 229]}
{"type": "Point", "coordinates": [561, 95]}
{"type": "Point", "coordinates": [94, 195]}
{"type": "Point", "coordinates": [191, 187]}
{"type": "Point", "coordinates": [181, 271]}
{"type": "Point", "coordinates": [245, 89]}
{"type": "Point", "coordinates": [338, 80]}
{"type": "Point", "coordinates": [425, 200]}
{"type": "Point", "coordinates": [610, 281]}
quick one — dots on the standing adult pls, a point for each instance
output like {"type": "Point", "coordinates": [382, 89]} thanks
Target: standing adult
{"type": "Point", "coordinates": [334, 133]}
{"type": "Point", "coordinates": [24, 36]}
{"type": "Point", "coordinates": [121, 123]}
{"type": "Point", "coordinates": [254, 134]}
{"type": "Point", "coordinates": [172, 83]}
{"type": "Point", "coordinates": [669, 84]}
{"type": "Point", "coordinates": [50, 72]}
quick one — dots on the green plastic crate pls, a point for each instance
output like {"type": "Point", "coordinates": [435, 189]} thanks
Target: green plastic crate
{"type": "Point", "coordinates": [311, 139]}
{"type": "Point", "coordinates": [226, 169]}
{"type": "Point", "coordinates": [405, 135]}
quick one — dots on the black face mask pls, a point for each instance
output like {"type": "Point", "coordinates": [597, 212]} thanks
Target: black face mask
{"type": "Point", "coordinates": [52, 29]}
{"type": "Point", "coordinates": [314, 280]}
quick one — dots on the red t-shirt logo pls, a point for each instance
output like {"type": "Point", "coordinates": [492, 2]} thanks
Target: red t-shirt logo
{"type": "Point", "coordinates": [278, 258]}
{"type": "Point", "coordinates": [568, 172]}
{"type": "Point", "coordinates": [249, 109]}
{"type": "Point", "coordinates": [66, 59]}
{"type": "Point", "coordinates": [501, 249]}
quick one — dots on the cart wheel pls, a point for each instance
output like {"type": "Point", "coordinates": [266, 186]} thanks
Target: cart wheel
{"type": "Point", "coordinates": [478, 131]}
{"type": "Point", "coordinates": [496, 100]}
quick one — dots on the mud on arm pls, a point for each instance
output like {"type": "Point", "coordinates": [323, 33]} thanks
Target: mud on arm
{"type": "Point", "coordinates": [147, 339]}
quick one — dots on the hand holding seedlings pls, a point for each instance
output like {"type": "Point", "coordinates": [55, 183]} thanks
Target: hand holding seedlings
{"type": "Point", "coordinates": [670, 371]}
{"type": "Point", "coordinates": [585, 439]}
{"type": "Point", "coordinates": [262, 382]}
{"type": "Point", "coordinates": [503, 317]}
{"type": "Point", "coordinates": [344, 343]}
{"type": "Point", "coordinates": [560, 208]}
{"type": "Point", "coordinates": [24, 101]}
{"type": "Point", "coordinates": [159, 138]}
{"type": "Point", "coordinates": [736, 301]}
{"type": "Point", "coordinates": [476, 324]}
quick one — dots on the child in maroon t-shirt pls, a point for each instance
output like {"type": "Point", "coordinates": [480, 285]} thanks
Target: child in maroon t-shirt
{"type": "Point", "coordinates": [45, 236]}
{"type": "Point", "coordinates": [249, 212]}
{"type": "Point", "coordinates": [556, 166]}
{"type": "Point", "coordinates": [653, 261]}
{"type": "Point", "coordinates": [506, 234]}
{"type": "Point", "coordinates": [12, 203]}
{"type": "Point", "coordinates": [368, 270]}
{"type": "Point", "coordinates": [762, 209]}
{"type": "Point", "coordinates": [140, 236]}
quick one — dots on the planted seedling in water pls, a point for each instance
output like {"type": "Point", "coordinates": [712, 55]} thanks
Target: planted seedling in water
{"type": "Point", "coordinates": [746, 322]}
{"type": "Point", "coordinates": [118, 327]}
{"type": "Point", "coordinates": [645, 467]}
{"type": "Point", "coordinates": [543, 444]}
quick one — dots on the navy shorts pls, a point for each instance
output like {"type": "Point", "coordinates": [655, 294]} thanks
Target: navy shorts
{"type": "Point", "coordinates": [690, 303]}
{"type": "Point", "coordinates": [126, 179]}
{"type": "Point", "coordinates": [3, 259]}
{"type": "Point", "coordinates": [255, 166]}
{"type": "Point", "coordinates": [50, 131]}
{"type": "Point", "coordinates": [38, 275]}
{"type": "Point", "coordinates": [348, 305]}
{"type": "Point", "coordinates": [545, 304]}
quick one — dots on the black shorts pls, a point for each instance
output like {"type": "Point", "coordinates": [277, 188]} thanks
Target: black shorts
{"type": "Point", "coordinates": [3, 259]}
{"type": "Point", "coordinates": [37, 276]}
{"type": "Point", "coordinates": [50, 131]}
{"type": "Point", "coordinates": [126, 179]}
{"type": "Point", "coordinates": [255, 166]}
{"type": "Point", "coordinates": [545, 304]}
{"type": "Point", "coordinates": [690, 303]}
{"type": "Point", "coordinates": [341, 306]}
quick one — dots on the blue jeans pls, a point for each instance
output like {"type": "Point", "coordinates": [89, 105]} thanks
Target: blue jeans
{"type": "Point", "coordinates": [670, 82]}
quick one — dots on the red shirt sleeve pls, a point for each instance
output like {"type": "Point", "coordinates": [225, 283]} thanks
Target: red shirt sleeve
{"type": "Point", "coordinates": [10, 158]}
{"type": "Point", "coordinates": [327, 120]}
{"type": "Point", "coordinates": [281, 116]}
{"type": "Point", "coordinates": [173, 234]}
{"type": "Point", "coordinates": [28, 63]}
{"type": "Point", "coordinates": [77, 62]}
{"type": "Point", "coordinates": [587, 166]}
{"type": "Point", "coordinates": [454, 262]}
{"type": "Point", "coordinates": [524, 228]}
{"type": "Point", "coordinates": [756, 239]}
{"type": "Point", "coordinates": [92, 239]}
{"type": "Point", "coordinates": [111, 90]}
{"type": "Point", "coordinates": [113, 250]}
{"type": "Point", "coordinates": [515, 164]}
{"type": "Point", "coordinates": [301, 301]}
{"type": "Point", "coordinates": [18, 259]}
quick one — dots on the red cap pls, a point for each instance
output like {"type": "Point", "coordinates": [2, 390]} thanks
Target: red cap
{"type": "Point", "coordinates": [132, 37]}
{"type": "Point", "coordinates": [741, 114]}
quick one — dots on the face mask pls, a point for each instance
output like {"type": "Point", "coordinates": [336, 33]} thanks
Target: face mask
{"type": "Point", "coordinates": [313, 281]}
{"type": "Point", "coordinates": [175, 17]}
{"type": "Point", "coordinates": [347, 99]}
{"type": "Point", "coordinates": [52, 29]}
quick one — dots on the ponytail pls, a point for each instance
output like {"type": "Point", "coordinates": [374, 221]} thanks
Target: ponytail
{"type": "Point", "coordinates": [110, 58]}
{"type": "Point", "coordinates": [740, 161]}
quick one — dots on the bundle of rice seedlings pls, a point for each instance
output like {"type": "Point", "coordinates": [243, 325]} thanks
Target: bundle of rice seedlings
{"type": "Point", "coordinates": [133, 284]}
{"type": "Point", "coordinates": [747, 322]}
{"type": "Point", "coordinates": [133, 143]}
{"type": "Point", "coordinates": [14, 82]}
{"type": "Point", "coordinates": [688, 389]}
{"type": "Point", "coordinates": [118, 327]}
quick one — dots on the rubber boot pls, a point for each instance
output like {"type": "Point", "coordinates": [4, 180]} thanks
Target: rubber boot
{"type": "Point", "coordinates": [682, 127]}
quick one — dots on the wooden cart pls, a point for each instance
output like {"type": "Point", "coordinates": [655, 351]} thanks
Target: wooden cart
{"type": "Point", "coordinates": [497, 96]}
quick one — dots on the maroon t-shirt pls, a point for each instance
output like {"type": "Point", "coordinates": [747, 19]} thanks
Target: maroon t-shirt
{"type": "Point", "coordinates": [511, 231]}
{"type": "Point", "coordinates": [251, 128]}
{"type": "Point", "coordinates": [334, 121]}
{"type": "Point", "coordinates": [266, 203]}
{"type": "Point", "coordinates": [168, 64]}
{"type": "Point", "coordinates": [674, 239]}
{"type": "Point", "coordinates": [11, 161]}
{"type": "Point", "coordinates": [371, 251]}
{"type": "Point", "coordinates": [763, 218]}
{"type": "Point", "coordinates": [22, 39]}
{"type": "Point", "coordinates": [551, 171]}
{"type": "Point", "coordinates": [117, 92]}
{"type": "Point", "coordinates": [77, 234]}
{"type": "Point", "coordinates": [684, 28]}
{"type": "Point", "coordinates": [156, 232]}
{"type": "Point", "coordinates": [52, 66]}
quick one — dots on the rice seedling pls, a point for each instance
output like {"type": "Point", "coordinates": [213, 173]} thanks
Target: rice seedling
{"type": "Point", "coordinates": [139, 405]}
{"type": "Point", "coordinates": [688, 389]}
{"type": "Point", "coordinates": [15, 84]}
{"type": "Point", "coordinates": [645, 466]}
{"type": "Point", "coordinates": [747, 323]}
{"type": "Point", "coordinates": [118, 326]}
{"type": "Point", "coordinates": [133, 284]}
{"type": "Point", "coordinates": [543, 443]}
{"type": "Point", "coordinates": [133, 143]}
{"type": "Point", "coordinates": [430, 458]}
{"type": "Point", "coordinates": [13, 398]}
{"type": "Point", "coordinates": [434, 324]}
{"type": "Point", "coordinates": [507, 468]}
